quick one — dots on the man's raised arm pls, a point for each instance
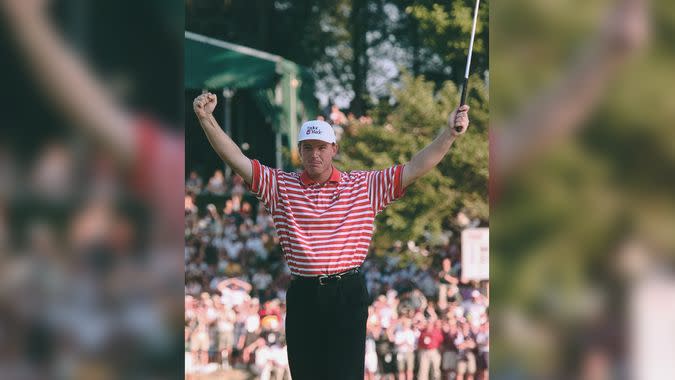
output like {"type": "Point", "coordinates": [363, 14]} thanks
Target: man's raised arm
{"type": "Point", "coordinates": [204, 105]}
{"type": "Point", "coordinates": [432, 154]}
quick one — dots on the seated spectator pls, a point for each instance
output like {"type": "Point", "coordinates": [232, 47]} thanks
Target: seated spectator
{"type": "Point", "coordinates": [237, 188]}
{"type": "Point", "coordinates": [194, 183]}
{"type": "Point", "coordinates": [261, 281]}
{"type": "Point", "coordinates": [447, 284]}
{"type": "Point", "coordinates": [264, 219]}
{"type": "Point", "coordinates": [190, 206]}
{"type": "Point", "coordinates": [256, 245]}
{"type": "Point", "coordinates": [216, 185]}
{"type": "Point", "coordinates": [245, 212]}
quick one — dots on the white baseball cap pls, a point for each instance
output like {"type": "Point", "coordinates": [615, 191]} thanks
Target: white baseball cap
{"type": "Point", "coordinates": [317, 130]}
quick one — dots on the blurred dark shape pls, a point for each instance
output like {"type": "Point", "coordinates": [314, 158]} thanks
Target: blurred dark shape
{"type": "Point", "coordinates": [91, 245]}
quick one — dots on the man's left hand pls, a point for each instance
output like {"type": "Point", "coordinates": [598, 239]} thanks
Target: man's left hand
{"type": "Point", "coordinates": [459, 118]}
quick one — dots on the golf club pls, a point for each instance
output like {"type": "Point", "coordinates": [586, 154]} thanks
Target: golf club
{"type": "Point", "coordinates": [468, 61]}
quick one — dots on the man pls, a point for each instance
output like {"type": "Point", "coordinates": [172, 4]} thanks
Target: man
{"type": "Point", "coordinates": [474, 308]}
{"type": "Point", "coordinates": [449, 351]}
{"type": "Point", "coordinates": [429, 343]}
{"type": "Point", "coordinates": [384, 347]}
{"type": "Point", "coordinates": [466, 344]}
{"type": "Point", "coordinates": [447, 287]}
{"type": "Point", "coordinates": [405, 339]}
{"type": "Point", "coordinates": [324, 219]}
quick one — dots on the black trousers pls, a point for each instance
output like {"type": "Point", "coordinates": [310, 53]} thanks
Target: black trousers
{"type": "Point", "coordinates": [326, 329]}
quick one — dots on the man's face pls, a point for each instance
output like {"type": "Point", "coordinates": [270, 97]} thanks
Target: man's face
{"type": "Point", "coordinates": [317, 156]}
{"type": "Point", "coordinates": [446, 264]}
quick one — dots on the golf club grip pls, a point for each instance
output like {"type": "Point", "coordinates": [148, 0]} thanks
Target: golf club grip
{"type": "Point", "coordinates": [462, 100]}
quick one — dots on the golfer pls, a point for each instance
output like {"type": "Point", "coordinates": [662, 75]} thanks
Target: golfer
{"type": "Point", "coordinates": [324, 219]}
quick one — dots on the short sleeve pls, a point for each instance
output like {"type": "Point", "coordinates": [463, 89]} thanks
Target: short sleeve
{"type": "Point", "coordinates": [264, 184]}
{"type": "Point", "coordinates": [384, 187]}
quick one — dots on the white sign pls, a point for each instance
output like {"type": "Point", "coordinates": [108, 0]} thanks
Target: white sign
{"type": "Point", "coordinates": [476, 253]}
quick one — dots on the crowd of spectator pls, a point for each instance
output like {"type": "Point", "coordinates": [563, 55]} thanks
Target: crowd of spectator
{"type": "Point", "coordinates": [424, 322]}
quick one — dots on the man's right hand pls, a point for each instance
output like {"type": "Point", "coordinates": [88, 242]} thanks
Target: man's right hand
{"type": "Point", "coordinates": [204, 104]}
{"type": "Point", "coordinates": [226, 149]}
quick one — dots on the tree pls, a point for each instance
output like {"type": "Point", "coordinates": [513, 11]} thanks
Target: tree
{"type": "Point", "coordinates": [442, 35]}
{"type": "Point", "coordinates": [353, 46]}
{"type": "Point", "coordinates": [458, 183]}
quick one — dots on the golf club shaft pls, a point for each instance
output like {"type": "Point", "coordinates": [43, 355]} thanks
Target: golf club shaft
{"type": "Point", "coordinates": [465, 85]}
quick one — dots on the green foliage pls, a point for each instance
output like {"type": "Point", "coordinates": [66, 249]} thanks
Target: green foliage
{"type": "Point", "coordinates": [446, 31]}
{"type": "Point", "coordinates": [458, 182]}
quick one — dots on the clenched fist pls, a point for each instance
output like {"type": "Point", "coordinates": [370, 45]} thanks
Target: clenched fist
{"type": "Point", "coordinates": [458, 121]}
{"type": "Point", "coordinates": [204, 104]}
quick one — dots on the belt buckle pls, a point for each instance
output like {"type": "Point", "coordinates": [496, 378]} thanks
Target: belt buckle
{"type": "Point", "coordinates": [327, 277]}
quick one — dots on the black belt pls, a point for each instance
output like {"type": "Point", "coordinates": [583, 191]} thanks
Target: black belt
{"type": "Point", "coordinates": [326, 278]}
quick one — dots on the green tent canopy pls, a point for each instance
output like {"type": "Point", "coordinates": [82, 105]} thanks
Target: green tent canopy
{"type": "Point", "coordinates": [283, 90]}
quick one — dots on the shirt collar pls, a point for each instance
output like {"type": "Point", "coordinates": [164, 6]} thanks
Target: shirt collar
{"type": "Point", "coordinates": [334, 177]}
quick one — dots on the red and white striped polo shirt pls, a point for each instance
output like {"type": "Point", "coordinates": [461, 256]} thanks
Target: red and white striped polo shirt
{"type": "Point", "coordinates": [325, 228]}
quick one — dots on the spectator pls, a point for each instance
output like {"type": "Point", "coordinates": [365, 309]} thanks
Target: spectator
{"type": "Point", "coordinates": [245, 211]}
{"type": "Point", "coordinates": [404, 339]}
{"type": "Point", "coordinates": [466, 344]}
{"type": "Point", "coordinates": [237, 189]}
{"type": "Point", "coordinates": [249, 329]}
{"type": "Point", "coordinates": [194, 184]}
{"type": "Point", "coordinates": [225, 325]}
{"type": "Point", "coordinates": [270, 353]}
{"type": "Point", "coordinates": [429, 343]}
{"type": "Point", "coordinates": [447, 287]}
{"type": "Point", "coordinates": [483, 352]}
{"type": "Point", "coordinates": [216, 185]}
{"type": "Point", "coordinates": [337, 117]}
{"type": "Point", "coordinates": [261, 281]}
{"type": "Point", "coordinates": [263, 219]}
{"type": "Point", "coordinates": [199, 336]}
{"type": "Point", "coordinates": [234, 248]}
{"type": "Point", "coordinates": [449, 352]}
{"type": "Point", "coordinates": [190, 207]}
{"type": "Point", "coordinates": [474, 309]}
{"type": "Point", "coordinates": [371, 365]}
{"type": "Point", "coordinates": [384, 346]}
{"type": "Point", "coordinates": [234, 291]}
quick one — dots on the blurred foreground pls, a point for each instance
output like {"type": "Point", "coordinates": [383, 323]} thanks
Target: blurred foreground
{"type": "Point", "coordinates": [90, 269]}
{"type": "Point", "coordinates": [582, 156]}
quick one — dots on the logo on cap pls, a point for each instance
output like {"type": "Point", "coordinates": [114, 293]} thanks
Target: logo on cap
{"type": "Point", "coordinates": [313, 130]}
